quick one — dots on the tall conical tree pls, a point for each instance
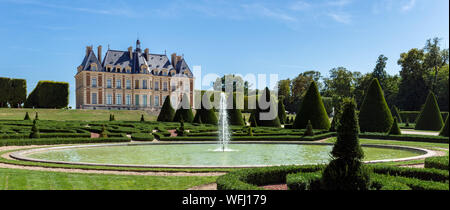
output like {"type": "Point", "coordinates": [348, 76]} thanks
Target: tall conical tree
{"type": "Point", "coordinates": [36, 117]}
{"type": "Point", "coordinates": [346, 171]}
{"type": "Point", "coordinates": [395, 130]}
{"type": "Point", "coordinates": [235, 114]}
{"type": "Point", "coordinates": [312, 108]}
{"type": "Point", "coordinates": [274, 121]}
{"type": "Point", "coordinates": [430, 117]}
{"type": "Point", "coordinates": [34, 131]}
{"type": "Point", "coordinates": [207, 116]}
{"type": "Point", "coordinates": [27, 117]}
{"type": "Point", "coordinates": [183, 113]}
{"type": "Point", "coordinates": [282, 112]}
{"type": "Point", "coordinates": [167, 112]}
{"type": "Point", "coordinates": [142, 118]}
{"type": "Point", "coordinates": [444, 131]}
{"type": "Point", "coordinates": [103, 133]}
{"type": "Point", "coordinates": [396, 114]}
{"type": "Point", "coordinates": [252, 120]}
{"type": "Point", "coordinates": [374, 115]}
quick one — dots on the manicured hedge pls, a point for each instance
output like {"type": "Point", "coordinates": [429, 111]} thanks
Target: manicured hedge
{"type": "Point", "coordinates": [18, 92]}
{"type": "Point", "coordinates": [412, 183]}
{"type": "Point", "coordinates": [167, 112]}
{"type": "Point", "coordinates": [250, 138]}
{"type": "Point", "coordinates": [47, 135]}
{"type": "Point", "coordinates": [413, 115]}
{"type": "Point", "coordinates": [49, 94]}
{"type": "Point", "coordinates": [429, 174]}
{"type": "Point", "coordinates": [405, 137]}
{"type": "Point", "coordinates": [142, 137]}
{"type": "Point", "coordinates": [430, 117]}
{"type": "Point", "coordinates": [45, 141]}
{"type": "Point", "coordinates": [312, 109]}
{"type": "Point", "coordinates": [304, 181]}
{"type": "Point", "coordinates": [437, 162]}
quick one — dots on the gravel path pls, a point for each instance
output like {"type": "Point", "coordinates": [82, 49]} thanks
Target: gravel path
{"type": "Point", "coordinates": [211, 186]}
{"type": "Point", "coordinates": [410, 131]}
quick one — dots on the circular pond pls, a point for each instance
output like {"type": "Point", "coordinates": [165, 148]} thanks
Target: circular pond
{"type": "Point", "coordinates": [202, 155]}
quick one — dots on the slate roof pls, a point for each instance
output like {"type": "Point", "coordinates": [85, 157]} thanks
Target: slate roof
{"type": "Point", "coordinates": [122, 58]}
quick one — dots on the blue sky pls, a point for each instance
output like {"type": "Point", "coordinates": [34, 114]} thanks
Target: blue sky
{"type": "Point", "coordinates": [45, 40]}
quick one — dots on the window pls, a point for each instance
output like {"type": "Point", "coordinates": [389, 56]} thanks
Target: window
{"type": "Point", "coordinates": [119, 99]}
{"type": "Point", "coordinates": [128, 84]}
{"type": "Point", "coordinates": [108, 83]}
{"type": "Point", "coordinates": [94, 67]}
{"type": "Point", "coordinates": [94, 98]}
{"type": "Point", "coordinates": [136, 84]}
{"type": "Point", "coordinates": [150, 102]}
{"type": "Point", "coordinates": [136, 100]}
{"type": "Point", "coordinates": [128, 99]}
{"type": "Point", "coordinates": [109, 99]}
{"type": "Point", "coordinates": [156, 85]}
{"type": "Point", "coordinates": [156, 100]}
{"type": "Point", "coordinates": [119, 84]}
{"type": "Point", "coordinates": [144, 100]}
{"type": "Point", "coordinates": [165, 86]}
{"type": "Point", "coordinates": [94, 82]}
{"type": "Point", "coordinates": [144, 84]}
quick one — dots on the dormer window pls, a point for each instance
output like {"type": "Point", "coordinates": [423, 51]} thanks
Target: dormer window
{"type": "Point", "coordinates": [94, 67]}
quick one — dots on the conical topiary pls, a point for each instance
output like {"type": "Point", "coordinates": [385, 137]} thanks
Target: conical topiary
{"type": "Point", "coordinates": [444, 131]}
{"type": "Point", "coordinates": [270, 116]}
{"type": "Point", "coordinates": [312, 109]}
{"type": "Point", "coordinates": [396, 114]}
{"type": "Point", "coordinates": [245, 120]}
{"type": "Point", "coordinates": [197, 118]}
{"type": "Point", "coordinates": [374, 115]}
{"type": "Point", "coordinates": [430, 117]}
{"type": "Point", "coordinates": [103, 133]}
{"type": "Point", "coordinates": [309, 129]}
{"type": "Point", "coordinates": [252, 120]}
{"type": "Point", "coordinates": [282, 112]}
{"type": "Point", "coordinates": [395, 130]}
{"type": "Point", "coordinates": [142, 118]}
{"type": "Point", "coordinates": [34, 131]}
{"type": "Point", "coordinates": [346, 171]}
{"type": "Point", "coordinates": [184, 112]}
{"type": "Point", "coordinates": [36, 117]}
{"type": "Point", "coordinates": [235, 115]}
{"type": "Point", "coordinates": [407, 122]}
{"type": "Point", "coordinates": [167, 112]}
{"type": "Point", "coordinates": [207, 115]}
{"type": "Point", "coordinates": [27, 117]}
{"type": "Point", "coordinates": [250, 131]}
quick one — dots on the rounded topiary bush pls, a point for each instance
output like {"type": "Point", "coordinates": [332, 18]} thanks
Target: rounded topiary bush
{"type": "Point", "coordinates": [312, 109]}
{"type": "Point", "coordinates": [346, 170]}
{"type": "Point", "coordinates": [430, 117]}
{"type": "Point", "coordinates": [444, 131]}
{"type": "Point", "coordinates": [374, 115]}
{"type": "Point", "coordinates": [167, 113]}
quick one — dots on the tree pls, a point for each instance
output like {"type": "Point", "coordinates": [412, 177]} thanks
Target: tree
{"type": "Point", "coordinates": [27, 117]}
{"type": "Point", "coordinates": [281, 112]}
{"type": "Point", "coordinates": [5, 88]}
{"type": "Point", "coordinates": [444, 131]}
{"type": "Point", "coordinates": [36, 117]}
{"type": "Point", "coordinates": [434, 58]}
{"type": "Point", "coordinates": [374, 115]}
{"type": "Point", "coordinates": [394, 130]}
{"type": "Point", "coordinates": [312, 109]}
{"type": "Point", "coordinates": [284, 90]}
{"type": "Point", "coordinates": [340, 83]}
{"type": "Point", "coordinates": [430, 117]}
{"type": "Point", "coordinates": [235, 114]}
{"type": "Point", "coordinates": [299, 86]}
{"type": "Point", "coordinates": [413, 88]}
{"type": "Point", "coordinates": [167, 112]}
{"type": "Point", "coordinates": [49, 94]}
{"type": "Point", "coordinates": [184, 111]}
{"type": "Point", "coordinates": [379, 71]}
{"type": "Point", "coordinates": [271, 119]}
{"type": "Point", "coordinates": [142, 118]}
{"type": "Point", "coordinates": [346, 171]}
{"type": "Point", "coordinates": [252, 120]}
{"type": "Point", "coordinates": [396, 113]}
{"type": "Point", "coordinates": [34, 131]}
{"type": "Point", "coordinates": [17, 93]}
{"type": "Point", "coordinates": [205, 115]}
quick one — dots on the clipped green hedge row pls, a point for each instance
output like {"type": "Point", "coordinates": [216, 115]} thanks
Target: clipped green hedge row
{"type": "Point", "coordinates": [304, 181]}
{"type": "Point", "coordinates": [49, 94]}
{"type": "Point", "coordinates": [406, 183]}
{"type": "Point", "coordinates": [413, 115]}
{"type": "Point", "coordinates": [142, 137]}
{"type": "Point", "coordinates": [49, 141]}
{"type": "Point", "coordinates": [47, 135]}
{"type": "Point", "coordinates": [429, 174]}
{"type": "Point", "coordinates": [405, 137]}
{"type": "Point", "coordinates": [437, 162]}
{"type": "Point", "coordinates": [249, 138]}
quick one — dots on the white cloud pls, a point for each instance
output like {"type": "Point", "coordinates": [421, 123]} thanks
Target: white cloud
{"type": "Point", "coordinates": [408, 5]}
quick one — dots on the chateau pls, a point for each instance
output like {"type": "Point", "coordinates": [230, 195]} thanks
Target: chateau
{"type": "Point", "coordinates": [130, 79]}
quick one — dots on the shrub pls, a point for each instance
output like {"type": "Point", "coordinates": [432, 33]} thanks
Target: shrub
{"type": "Point", "coordinates": [103, 134]}
{"type": "Point", "coordinates": [374, 115]}
{"type": "Point", "coordinates": [49, 94]}
{"type": "Point", "coordinates": [167, 112]}
{"type": "Point", "coordinates": [444, 131]}
{"type": "Point", "coordinates": [45, 141]}
{"type": "Point", "coordinates": [235, 115]}
{"type": "Point", "coordinates": [395, 130]}
{"type": "Point", "coordinates": [405, 137]}
{"type": "Point", "coordinates": [274, 121]}
{"type": "Point", "coordinates": [312, 109]}
{"type": "Point", "coordinates": [142, 118]}
{"type": "Point", "coordinates": [34, 131]}
{"type": "Point", "coordinates": [309, 129]}
{"type": "Point", "coordinates": [5, 88]}
{"type": "Point", "coordinates": [252, 120]}
{"type": "Point", "coordinates": [407, 122]}
{"type": "Point", "coordinates": [36, 117]}
{"type": "Point", "coordinates": [250, 131]}
{"type": "Point", "coordinates": [282, 112]}
{"type": "Point", "coordinates": [430, 117]}
{"type": "Point", "coordinates": [303, 181]}
{"type": "Point", "coordinates": [142, 137]}
{"type": "Point", "coordinates": [182, 113]}
{"type": "Point", "coordinates": [437, 162]}
{"type": "Point", "coordinates": [207, 116]}
{"type": "Point", "coordinates": [346, 171]}
{"type": "Point", "coordinates": [27, 117]}
{"type": "Point", "coordinates": [429, 174]}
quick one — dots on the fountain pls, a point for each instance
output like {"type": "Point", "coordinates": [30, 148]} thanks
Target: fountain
{"type": "Point", "coordinates": [224, 132]}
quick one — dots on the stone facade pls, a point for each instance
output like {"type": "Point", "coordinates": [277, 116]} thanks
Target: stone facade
{"type": "Point", "coordinates": [131, 79]}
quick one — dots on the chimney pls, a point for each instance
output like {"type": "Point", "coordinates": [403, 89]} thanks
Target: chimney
{"type": "Point", "coordinates": [147, 54]}
{"type": "Point", "coordinates": [130, 50]}
{"type": "Point", "coordinates": [99, 53]}
{"type": "Point", "coordinates": [88, 50]}
{"type": "Point", "coordinates": [174, 58]}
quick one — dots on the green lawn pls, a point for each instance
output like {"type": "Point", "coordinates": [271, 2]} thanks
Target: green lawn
{"type": "Point", "coordinates": [425, 145]}
{"type": "Point", "coordinates": [18, 179]}
{"type": "Point", "coordinates": [74, 114]}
